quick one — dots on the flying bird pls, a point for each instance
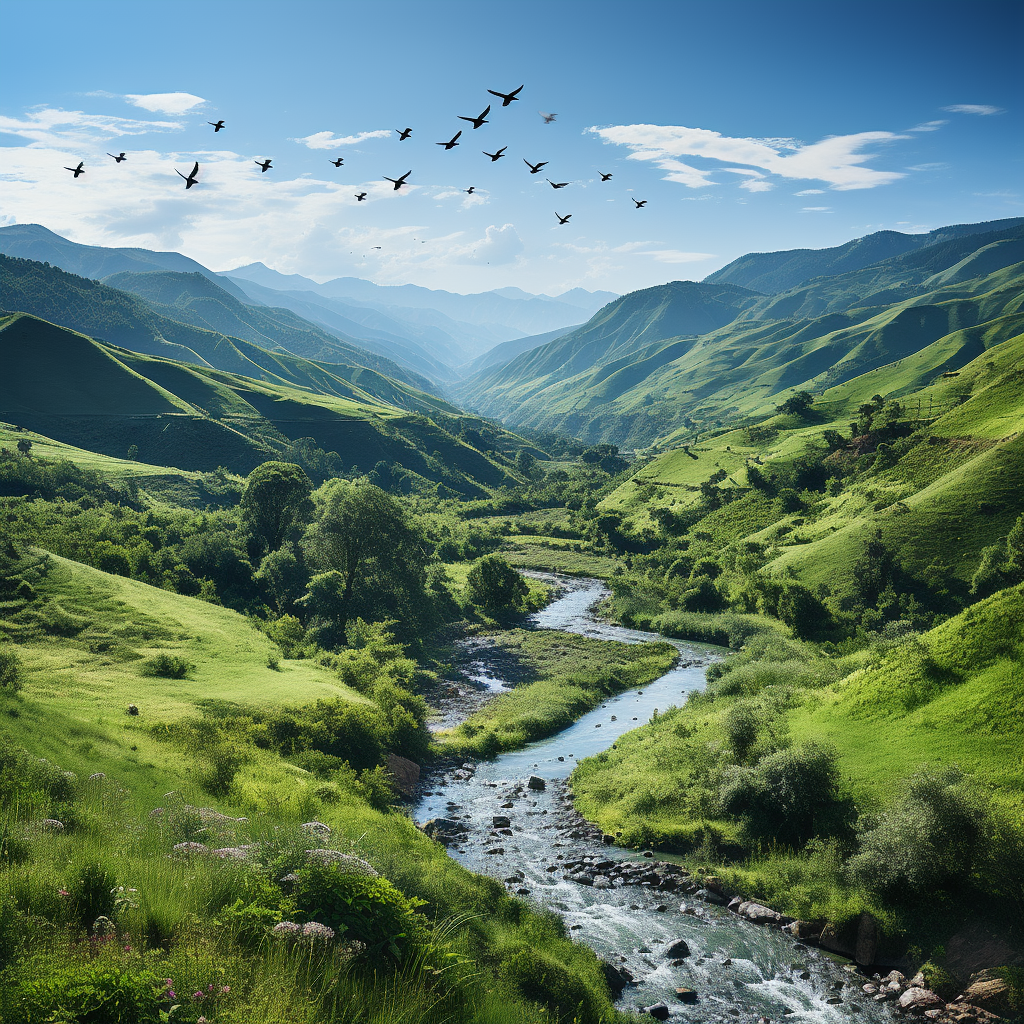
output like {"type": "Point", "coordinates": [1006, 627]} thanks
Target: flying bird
{"type": "Point", "coordinates": [117, 159]}
{"type": "Point", "coordinates": [193, 176]}
{"type": "Point", "coordinates": [360, 197]}
{"type": "Point", "coordinates": [535, 168]}
{"type": "Point", "coordinates": [469, 191]}
{"type": "Point", "coordinates": [506, 98]}
{"type": "Point", "coordinates": [398, 182]}
{"type": "Point", "coordinates": [80, 169]}
{"type": "Point", "coordinates": [556, 184]}
{"type": "Point", "coordinates": [639, 202]}
{"type": "Point", "coordinates": [496, 156]}
{"type": "Point", "coordinates": [561, 219]}
{"type": "Point", "coordinates": [477, 121]}
{"type": "Point", "coordinates": [337, 163]}
{"type": "Point", "coordinates": [605, 177]}
{"type": "Point", "coordinates": [263, 165]}
{"type": "Point", "coordinates": [216, 125]}
{"type": "Point", "coordinates": [451, 143]}
{"type": "Point", "coordinates": [403, 135]}
{"type": "Point", "coordinates": [548, 118]}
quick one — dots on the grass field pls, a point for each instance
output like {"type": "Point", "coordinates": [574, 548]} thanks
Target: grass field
{"type": "Point", "coordinates": [555, 556]}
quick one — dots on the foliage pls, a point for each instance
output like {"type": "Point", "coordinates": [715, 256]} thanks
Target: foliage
{"type": "Point", "coordinates": [496, 587]}
{"type": "Point", "coordinates": [276, 496]}
{"type": "Point", "coordinates": [167, 666]}
{"type": "Point", "coordinates": [10, 668]}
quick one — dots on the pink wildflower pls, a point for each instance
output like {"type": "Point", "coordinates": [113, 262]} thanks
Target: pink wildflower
{"type": "Point", "coordinates": [225, 990]}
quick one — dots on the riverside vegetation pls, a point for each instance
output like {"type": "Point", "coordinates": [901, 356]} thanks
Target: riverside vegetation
{"type": "Point", "coordinates": [210, 647]}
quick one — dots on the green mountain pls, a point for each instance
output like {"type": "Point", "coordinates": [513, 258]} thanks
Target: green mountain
{"type": "Point", "coordinates": [106, 399]}
{"type": "Point", "coordinates": [772, 272]}
{"type": "Point", "coordinates": [182, 329]}
{"type": "Point", "coordinates": [632, 375]}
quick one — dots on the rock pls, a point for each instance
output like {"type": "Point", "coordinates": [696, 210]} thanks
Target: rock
{"type": "Point", "coordinates": [132, 709]}
{"type": "Point", "coordinates": [537, 783]}
{"type": "Point", "coordinates": [444, 830]}
{"type": "Point", "coordinates": [934, 1014]}
{"type": "Point", "coordinates": [735, 903]}
{"type": "Point", "coordinates": [710, 897]}
{"type": "Point", "coordinates": [659, 1011]}
{"type": "Point", "coordinates": [895, 976]}
{"type": "Point", "coordinates": [833, 1001]}
{"type": "Point", "coordinates": [917, 1000]}
{"type": "Point", "coordinates": [686, 995]}
{"type": "Point", "coordinates": [405, 774]}
{"type": "Point", "coordinates": [496, 849]}
{"type": "Point", "coordinates": [808, 931]}
{"type": "Point", "coordinates": [992, 994]}
{"type": "Point", "coordinates": [866, 946]}
{"type": "Point", "coordinates": [506, 806]}
{"type": "Point", "coordinates": [918, 981]}
{"type": "Point", "coordinates": [500, 821]}
{"type": "Point", "coordinates": [759, 913]}
{"type": "Point", "coordinates": [602, 882]}
{"type": "Point", "coordinates": [871, 990]}
{"type": "Point", "coordinates": [608, 840]}
{"type": "Point", "coordinates": [677, 949]}
{"type": "Point", "coordinates": [840, 939]}
{"type": "Point", "coordinates": [617, 977]}
{"type": "Point", "coordinates": [714, 884]}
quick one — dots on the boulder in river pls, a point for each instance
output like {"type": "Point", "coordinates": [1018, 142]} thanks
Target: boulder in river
{"type": "Point", "coordinates": [537, 783]}
{"type": "Point", "coordinates": [444, 830]}
{"type": "Point", "coordinates": [659, 1011]}
{"type": "Point", "coordinates": [917, 1000]}
{"type": "Point", "coordinates": [501, 821]}
{"type": "Point", "coordinates": [759, 913]}
{"type": "Point", "coordinates": [405, 774]}
{"type": "Point", "coordinates": [990, 993]}
{"type": "Point", "coordinates": [617, 977]}
{"type": "Point", "coordinates": [677, 949]}
{"type": "Point", "coordinates": [686, 995]}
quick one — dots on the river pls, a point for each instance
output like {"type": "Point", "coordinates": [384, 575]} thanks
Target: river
{"type": "Point", "coordinates": [738, 969]}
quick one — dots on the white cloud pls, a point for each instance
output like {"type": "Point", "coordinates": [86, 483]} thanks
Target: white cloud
{"type": "Point", "coordinates": [50, 127]}
{"type": "Point", "coordinates": [811, 192]}
{"type": "Point", "coordinates": [165, 102]}
{"type": "Point", "coordinates": [928, 126]}
{"type": "Point", "coordinates": [816, 209]}
{"type": "Point", "coordinates": [838, 160]}
{"type": "Point", "coordinates": [757, 185]}
{"type": "Point", "coordinates": [973, 108]}
{"type": "Point", "coordinates": [676, 256]}
{"type": "Point", "coordinates": [498, 246]}
{"type": "Point", "coordinates": [328, 140]}
{"type": "Point", "coordinates": [927, 167]}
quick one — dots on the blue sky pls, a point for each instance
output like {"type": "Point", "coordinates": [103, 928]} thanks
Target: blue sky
{"type": "Point", "coordinates": [747, 126]}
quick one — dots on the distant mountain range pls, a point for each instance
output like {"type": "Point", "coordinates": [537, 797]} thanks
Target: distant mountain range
{"type": "Point", "coordinates": [434, 334]}
{"type": "Point", "coordinates": [663, 362]}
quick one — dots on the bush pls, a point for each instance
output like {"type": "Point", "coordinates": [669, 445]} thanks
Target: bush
{"type": "Point", "coordinates": [359, 907]}
{"type": "Point", "coordinates": [542, 979]}
{"type": "Point", "coordinates": [167, 666]}
{"type": "Point", "coordinates": [496, 587]}
{"type": "Point", "coordinates": [91, 894]}
{"type": "Point", "coordinates": [929, 842]}
{"type": "Point", "coordinates": [10, 669]}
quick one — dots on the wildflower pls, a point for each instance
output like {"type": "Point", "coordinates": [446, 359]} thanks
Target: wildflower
{"type": "Point", "coordinates": [201, 1020]}
{"type": "Point", "coordinates": [172, 994]}
{"type": "Point", "coordinates": [225, 990]}
{"type": "Point", "coordinates": [287, 930]}
{"type": "Point", "coordinates": [197, 995]}
{"type": "Point", "coordinates": [314, 931]}
{"type": "Point", "coordinates": [63, 892]}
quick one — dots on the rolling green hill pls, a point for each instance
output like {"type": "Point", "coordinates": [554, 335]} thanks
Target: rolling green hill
{"type": "Point", "coordinates": [179, 329]}
{"type": "Point", "coordinates": [631, 376]}
{"type": "Point", "coordinates": [105, 399]}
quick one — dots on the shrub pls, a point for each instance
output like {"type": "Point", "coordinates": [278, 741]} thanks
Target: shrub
{"type": "Point", "coordinates": [542, 979]}
{"type": "Point", "coordinates": [742, 725]}
{"type": "Point", "coordinates": [359, 907]}
{"type": "Point", "coordinates": [167, 666]}
{"type": "Point", "coordinates": [91, 894]}
{"type": "Point", "coordinates": [495, 586]}
{"type": "Point", "coordinates": [10, 669]}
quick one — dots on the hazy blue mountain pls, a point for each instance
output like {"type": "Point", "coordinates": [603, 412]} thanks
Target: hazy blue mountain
{"type": "Point", "coordinates": [503, 354]}
{"type": "Point", "coordinates": [34, 242]}
{"type": "Point", "coordinates": [773, 272]}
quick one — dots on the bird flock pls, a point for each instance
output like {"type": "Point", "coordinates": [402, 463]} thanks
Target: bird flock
{"type": "Point", "coordinates": [507, 99]}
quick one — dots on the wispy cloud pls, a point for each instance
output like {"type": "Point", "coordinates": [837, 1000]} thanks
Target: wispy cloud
{"type": "Point", "coordinates": [50, 127]}
{"type": "Point", "coordinates": [810, 192]}
{"type": "Point", "coordinates": [165, 102]}
{"type": "Point", "coordinates": [328, 140]}
{"type": "Point", "coordinates": [838, 160]}
{"type": "Point", "coordinates": [973, 108]}
{"type": "Point", "coordinates": [928, 126]}
{"type": "Point", "coordinates": [674, 255]}
{"type": "Point", "coordinates": [928, 167]}
{"type": "Point", "coordinates": [816, 209]}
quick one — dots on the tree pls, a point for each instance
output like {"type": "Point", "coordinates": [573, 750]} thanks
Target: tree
{"type": "Point", "coordinates": [282, 578]}
{"type": "Point", "coordinates": [496, 587]}
{"type": "Point", "coordinates": [24, 445]}
{"type": "Point", "coordinates": [276, 496]}
{"type": "Point", "coordinates": [526, 463]}
{"type": "Point", "coordinates": [133, 452]}
{"type": "Point", "coordinates": [372, 561]}
{"type": "Point", "coordinates": [797, 404]}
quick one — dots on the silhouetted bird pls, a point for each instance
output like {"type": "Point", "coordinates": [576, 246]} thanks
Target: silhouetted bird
{"type": "Point", "coordinates": [337, 163]}
{"type": "Point", "coordinates": [117, 159]}
{"type": "Point", "coordinates": [506, 98]}
{"type": "Point", "coordinates": [605, 177]}
{"type": "Point", "coordinates": [361, 196]}
{"type": "Point", "coordinates": [640, 203]}
{"type": "Point", "coordinates": [556, 184]}
{"type": "Point", "coordinates": [561, 219]}
{"type": "Point", "coordinates": [403, 135]}
{"type": "Point", "coordinates": [496, 156]}
{"type": "Point", "coordinates": [535, 168]}
{"type": "Point", "coordinates": [548, 118]}
{"type": "Point", "coordinates": [80, 169]}
{"type": "Point", "coordinates": [192, 177]}
{"type": "Point", "coordinates": [451, 143]}
{"type": "Point", "coordinates": [216, 125]}
{"type": "Point", "coordinates": [398, 182]}
{"type": "Point", "coordinates": [263, 165]}
{"type": "Point", "coordinates": [477, 121]}
{"type": "Point", "coordinates": [469, 191]}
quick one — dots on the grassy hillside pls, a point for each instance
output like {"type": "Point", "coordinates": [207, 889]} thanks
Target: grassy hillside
{"type": "Point", "coordinates": [104, 399]}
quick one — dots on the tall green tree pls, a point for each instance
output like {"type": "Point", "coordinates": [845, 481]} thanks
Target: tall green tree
{"type": "Point", "coordinates": [276, 496]}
